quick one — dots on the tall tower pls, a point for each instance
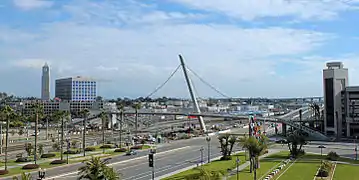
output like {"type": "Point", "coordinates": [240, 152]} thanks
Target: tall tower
{"type": "Point", "coordinates": [335, 79]}
{"type": "Point", "coordinates": [45, 83]}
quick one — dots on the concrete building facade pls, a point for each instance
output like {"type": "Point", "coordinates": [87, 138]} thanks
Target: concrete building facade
{"type": "Point", "coordinates": [335, 80]}
{"type": "Point", "coordinates": [350, 109]}
{"type": "Point", "coordinates": [45, 83]}
{"type": "Point", "coordinates": [76, 89]}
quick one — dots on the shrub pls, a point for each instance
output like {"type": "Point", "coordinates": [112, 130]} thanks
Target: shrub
{"type": "Point", "coordinates": [121, 150]}
{"type": "Point", "coordinates": [322, 173]}
{"type": "Point", "coordinates": [90, 149]}
{"type": "Point", "coordinates": [3, 172]}
{"type": "Point", "coordinates": [30, 166]}
{"type": "Point", "coordinates": [58, 161]}
{"type": "Point", "coordinates": [72, 152]}
{"type": "Point", "coordinates": [333, 156]}
{"type": "Point", "coordinates": [225, 158]}
{"type": "Point", "coordinates": [48, 155]}
{"type": "Point", "coordinates": [23, 159]}
{"type": "Point", "coordinates": [107, 146]}
{"type": "Point", "coordinates": [136, 147]}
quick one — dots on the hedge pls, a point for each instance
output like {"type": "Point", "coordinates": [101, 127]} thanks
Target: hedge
{"type": "Point", "coordinates": [23, 159]}
{"type": "Point", "coordinates": [72, 152]}
{"type": "Point", "coordinates": [121, 150]}
{"type": "Point", "coordinates": [90, 149]}
{"type": "Point", "coordinates": [58, 161]}
{"type": "Point", "coordinates": [136, 147]}
{"type": "Point", "coordinates": [30, 166]}
{"type": "Point", "coordinates": [107, 146]}
{"type": "Point", "coordinates": [48, 155]}
{"type": "Point", "coordinates": [3, 172]}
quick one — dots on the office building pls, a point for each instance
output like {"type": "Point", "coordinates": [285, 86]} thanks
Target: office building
{"type": "Point", "coordinates": [50, 107]}
{"type": "Point", "coordinates": [335, 80]}
{"type": "Point", "coordinates": [45, 83]}
{"type": "Point", "coordinates": [350, 109]}
{"type": "Point", "coordinates": [76, 89]}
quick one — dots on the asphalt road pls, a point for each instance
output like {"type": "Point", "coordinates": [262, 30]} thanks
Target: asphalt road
{"type": "Point", "coordinates": [170, 157]}
{"type": "Point", "coordinates": [176, 155]}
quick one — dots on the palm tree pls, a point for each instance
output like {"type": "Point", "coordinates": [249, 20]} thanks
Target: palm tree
{"type": "Point", "coordinates": [62, 115]}
{"type": "Point", "coordinates": [6, 113]}
{"type": "Point", "coordinates": [202, 174]}
{"type": "Point", "coordinates": [24, 176]}
{"type": "Point", "coordinates": [103, 117]}
{"type": "Point", "coordinates": [295, 139]}
{"type": "Point", "coordinates": [137, 106]}
{"type": "Point", "coordinates": [85, 114]}
{"type": "Point", "coordinates": [97, 169]}
{"type": "Point", "coordinates": [121, 108]}
{"type": "Point", "coordinates": [38, 110]}
{"type": "Point", "coordinates": [255, 147]}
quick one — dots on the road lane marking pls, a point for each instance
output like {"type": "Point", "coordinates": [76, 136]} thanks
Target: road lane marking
{"type": "Point", "coordinates": [165, 168]}
{"type": "Point", "coordinates": [120, 162]}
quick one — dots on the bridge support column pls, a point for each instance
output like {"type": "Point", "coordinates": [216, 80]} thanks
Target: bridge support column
{"type": "Point", "coordinates": [284, 129]}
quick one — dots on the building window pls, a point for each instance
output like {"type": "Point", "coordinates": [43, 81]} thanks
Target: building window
{"type": "Point", "coordinates": [329, 102]}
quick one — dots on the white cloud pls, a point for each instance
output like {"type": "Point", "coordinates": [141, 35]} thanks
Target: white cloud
{"type": "Point", "coordinates": [252, 9]}
{"type": "Point", "coordinates": [32, 4]}
{"type": "Point", "coordinates": [29, 63]}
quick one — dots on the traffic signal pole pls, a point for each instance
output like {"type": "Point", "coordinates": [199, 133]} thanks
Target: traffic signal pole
{"type": "Point", "coordinates": [151, 164]}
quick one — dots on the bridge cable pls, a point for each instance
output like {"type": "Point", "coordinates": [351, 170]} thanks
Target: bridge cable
{"type": "Point", "coordinates": [208, 84]}
{"type": "Point", "coordinates": [164, 83]}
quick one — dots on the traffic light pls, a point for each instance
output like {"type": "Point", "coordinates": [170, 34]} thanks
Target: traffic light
{"type": "Point", "coordinates": [150, 160]}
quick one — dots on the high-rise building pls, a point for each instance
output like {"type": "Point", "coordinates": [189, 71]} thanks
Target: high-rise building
{"type": "Point", "coordinates": [335, 80]}
{"type": "Point", "coordinates": [45, 83]}
{"type": "Point", "coordinates": [76, 89]}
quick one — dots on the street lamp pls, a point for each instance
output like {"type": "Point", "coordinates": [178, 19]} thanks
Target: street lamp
{"type": "Point", "coordinates": [201, 150]}
{"type": "Point", "coordinates": [42, 173]}
{"type": "Point", "coordinates": [321, 155]}
{"type": "Point", "coordinates": [208, 139]}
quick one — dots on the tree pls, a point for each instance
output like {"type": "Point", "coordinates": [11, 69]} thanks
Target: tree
{"type": "Point", "coordinates": [84, 114]}
{"type": "Point", "coordinates": [29, 148]}
{"type": "Point", "coordinates": [121, 108]}
{"type": "Point", "coordinates": [295, 139]}
{"type": "Point", "coordinates": [202, 174]}
{"type": "Point", "coordinates": [104, 118]}
{"type": "Point", "coordinates": [38, 111]}
{"type": "Point", "coordinates": [62, 115]}
{"type": "Point", "coordinates": [255, 147]}
{"type": "Point", "coordinates": [97, 169]}
{"type": "Point", "coordinates": [6, 113]}
{"type": "Point", "coordinates": [227, 142]}
{"type": "Point", "coordinates": [24, 176]}
{"type": "Point", "coordinates": [136, 106]}
{"type": "Point", "coordinates": [41, 149]}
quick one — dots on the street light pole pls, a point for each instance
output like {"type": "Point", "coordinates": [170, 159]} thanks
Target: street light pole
{"type": "Point", "coordinates": [201, 155]}
{"type": "Point", "coordinates": [208, 139]}
{"type": "Point", "coordinates": [237, 164]}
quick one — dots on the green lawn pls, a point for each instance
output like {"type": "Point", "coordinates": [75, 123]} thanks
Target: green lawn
{"type": "Point", "coordinates": [346, 172]}
{"type": "Point", "coordinates": [218, 166]}
{"type": "Point", "coordinates": [266, 166]}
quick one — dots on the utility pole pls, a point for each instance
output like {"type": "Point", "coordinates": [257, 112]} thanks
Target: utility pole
{"type": "Point", "coordinates": [193, 96]}
{"type": "Point", "coordinates": [121, 121]}
{"type": "Point", "coordinates": [1, 139]}
{"type": "Point", "coordinates": [84, 135]}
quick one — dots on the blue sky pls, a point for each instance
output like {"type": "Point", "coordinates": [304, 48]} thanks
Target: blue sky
{"type": "Point", "coordinates": [245, 48]}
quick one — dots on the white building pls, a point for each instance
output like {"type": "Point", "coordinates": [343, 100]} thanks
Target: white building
{"type": "Point", "coordinates": [335, 79]}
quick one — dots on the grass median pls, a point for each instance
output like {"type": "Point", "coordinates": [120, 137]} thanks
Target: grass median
{"type": "Point", "coordinates": [217, 166]}
{"type": "Point", "coordinates": [98, 152]}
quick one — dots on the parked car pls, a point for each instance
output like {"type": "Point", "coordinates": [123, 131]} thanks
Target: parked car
{"type": "Point", "coordinates": [131, 152]}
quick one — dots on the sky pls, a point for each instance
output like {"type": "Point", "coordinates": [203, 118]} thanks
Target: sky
{"type": "Point", "coordinates": [243, 48]}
